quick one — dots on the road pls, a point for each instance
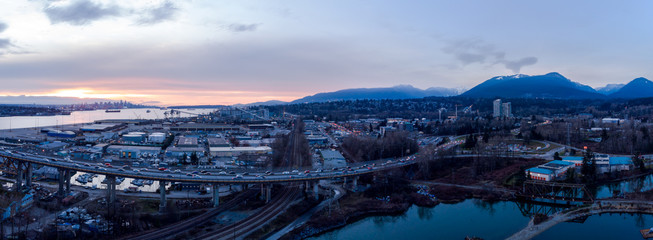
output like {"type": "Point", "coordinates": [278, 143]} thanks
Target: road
{"type": "Point", "coordinates": [196, 178]}
{"type": "Point", "coordinates": [339, 192]}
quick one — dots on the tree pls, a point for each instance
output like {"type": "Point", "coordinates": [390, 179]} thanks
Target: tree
{"type": "Point", "coordinates": [193, 158]}
{"type": "Point", "coordinates": [183, 158]}
{"type": "Point", "coordinates": [571, 175]}
{"type": "Point", "coordinates": [638, 161]}
{"type": "Point", "coordinates": [588, 169]}
{"type": "Point", "coordinates": [556, 156]}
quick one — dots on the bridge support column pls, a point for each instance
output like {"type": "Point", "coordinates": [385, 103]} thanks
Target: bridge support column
{"type": "Point", "coordinates": [316, 190]}
{"type": "Point", "coordinates": [67, 181]}
{"type": "Point", "coordinates": [61, 178]}
{"type": "Point", "coordinates": [19, 176]}
{"type": "Point", "coordinates": [28, 175]}
{"type": "Point", "coordinates": [344, 182]}
{"type": "Point", "coordinates": [263, 191]}
{"type": "Point", "coordinates": [162, 189]}
{"type": "Point", "coordinates": [111, 190]}
{"type": "Point", "coordinates": [268, 193]}
{"type": "Point", "coordinates": [216, 195]}
{"type": "Point", "coordinates": [355, 183]}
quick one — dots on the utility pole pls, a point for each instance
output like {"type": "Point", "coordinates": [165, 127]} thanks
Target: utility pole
{"type": "Point", "coordinates": [568, 136]}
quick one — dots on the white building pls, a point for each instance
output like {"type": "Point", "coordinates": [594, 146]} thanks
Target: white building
{"type": "Point", "coordinates": [497, 108]}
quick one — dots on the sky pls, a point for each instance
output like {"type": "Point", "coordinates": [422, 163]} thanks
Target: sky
{"type": "Point", "coordinates": [226, 52]}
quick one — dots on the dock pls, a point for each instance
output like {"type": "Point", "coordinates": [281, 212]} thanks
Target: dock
{"type": "Point", "coordinates": [646, 233]}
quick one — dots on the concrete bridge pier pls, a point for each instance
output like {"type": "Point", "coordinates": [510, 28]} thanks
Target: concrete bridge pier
{"type": "Point", "coordinates": [61, 178]}
{"type": "Point", "coordinates": [355, 183]}
{"type": "Point", "coordinates": [163, 202]}
{"type": "Point", "coordinates": [28, 175]}
{"type": "Point", "coordinates": [67, 181]}
{"type": "Point", "coordinates": [19, 176]}
{"type": "Point", "coordinates": [263, 191]}
{"type": "Point", "coordinates": [344, 182]}
{"type": "Point", "coordinates": [268, 194]}
{"type": "Point", "coordinates": [216, 195]}
{"type": "Point", "coordinates": [111, 190]}
{"type": "Point", "coordinates": [316, 190]}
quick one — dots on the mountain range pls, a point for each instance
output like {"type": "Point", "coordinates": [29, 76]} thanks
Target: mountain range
{"type": "Point", "coordinates": [550, 85]}
{"type": "Point", "coordinates": [396, 92]}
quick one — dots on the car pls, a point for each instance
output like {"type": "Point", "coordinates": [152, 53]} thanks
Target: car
{"type": "Point", "coordinates": [260, 177]}
{"type": "Point", "coordinates": [97, 167]}
{"type": "Point", "coordinates": [222, 173]}
{"type": "Point", "coordinates": [232, 172]}
{"type": "Point", "coordinates": [195, 172]}
{"type": "Point", "coordinates": [285, 173]}
{"type": "Point", "coordinates": [197, 176]}
{"type": "Point", "coordinates": [320, 170]}
{"type": "Point", "coordinates": [177, 171]}
{"type": "Point", "coordinates": [307, 171]}
{"type": "Point", "coordinates": [207, 173]}
{"type": "Point", "coordinates": [237, 177]}
{"type": "Point", "coordinates": [204, 171]}
{"type": "Point", "coordinates": [188, 174]}
{"type": "Point", "coordinates": [169, 175]}
{"type": "Point", "coordinates": [86, 164]}
{"type": "Point", "coordinates": [295, 171]}
{"type": "Point", "coordinates": [245, 173]}
{"type": "Point", "coordinates": [121, 170]}
{"type": "Point", "coordinates": [162, 169]}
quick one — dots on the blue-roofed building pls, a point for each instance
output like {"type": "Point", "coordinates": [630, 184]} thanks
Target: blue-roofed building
{"type": "Point", "coordinates": [552, 170]}
{"type": "Point", "coordinates": [576, 160]}
{"type": "Point", "coordinates": [605, 163]}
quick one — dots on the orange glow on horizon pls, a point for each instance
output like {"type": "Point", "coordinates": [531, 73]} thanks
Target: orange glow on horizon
{"type": "Point", "coordinates": [166, 97]}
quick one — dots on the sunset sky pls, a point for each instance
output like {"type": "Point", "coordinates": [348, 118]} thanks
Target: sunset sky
{"type": "Point", "coordinates": [226, 52]}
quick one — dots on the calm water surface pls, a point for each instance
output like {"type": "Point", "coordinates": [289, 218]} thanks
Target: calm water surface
{"type": "Point", "coordinates": [444, 221]}
{"type": "Point", "coordinates": [78, 117]}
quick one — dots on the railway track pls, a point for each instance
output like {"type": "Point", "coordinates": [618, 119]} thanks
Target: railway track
{"type": "Point", "coordinates": [185, 225]}
{"type": "Point", "coordinates": [240, 229]}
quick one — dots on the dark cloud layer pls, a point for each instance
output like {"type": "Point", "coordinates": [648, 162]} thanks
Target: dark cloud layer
{"type": "Point", "coordinates": [166, 11]}
{"type": "Point", "coordinates": [469, 51]}
{"type": "Point", "coordinates": [5, 43]}
{"type": "Point", "coordinates": [81, 12]}
{"type": "Point", "coordinates": [260, 65]}
{"type": "Point", "coordinates": [236, 27]}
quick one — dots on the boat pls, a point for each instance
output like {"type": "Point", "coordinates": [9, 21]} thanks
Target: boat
{"type": "Point", "coordinates": [112, 110]}
{"type": "Point", "coordinates": [149, 182]}
{"type": "Point", "coordinates": [148, 111]}
{"type": "Point", "coordinates": [119, 180]}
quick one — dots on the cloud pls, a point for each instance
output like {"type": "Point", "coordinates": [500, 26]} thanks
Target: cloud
{"type": "Point", "coordinates": [470, 51]}
{"type": "Point", "coordinates": [80, 12]}
{"type": "Point", "coordinates": [166, 11]}
{"type": "Point", "coordinates": [516, 66]}
{"type": "Point", "coordinates": [236, 27]}
{"type": "Point", "coordinates": [5, 43]}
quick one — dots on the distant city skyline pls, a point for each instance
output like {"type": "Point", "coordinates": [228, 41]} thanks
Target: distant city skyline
{"type": "Point", "coordinates": [223, 52]}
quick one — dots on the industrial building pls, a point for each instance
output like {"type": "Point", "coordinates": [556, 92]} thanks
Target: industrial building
{"type": "Point", "coordinates": [332, 159]}
{"type": "Point", "coordinates": [553, 170]}
{"type": "Point", "coordinates": [236, 151]}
